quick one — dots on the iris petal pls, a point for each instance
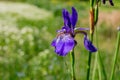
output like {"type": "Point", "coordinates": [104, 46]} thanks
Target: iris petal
{"type": "Point", "coordinates": [67, 29]}
{"type": "Point", "coordinates": [74, 17]}
{"type": "Point", "coordinates": [82, 29]}
{"type": "Point", "coordinates": [69, 45]}
{"type": "Point", "coordinates": [88, 45]}
{"type": "Point", "coordinates": [59, 47]}
{"type": "Point", "coordinates": [64, 45]}
{"type": "Point", "coordinates": [53, 42]}
{"type": "Point", "coordinates": [66, 17]}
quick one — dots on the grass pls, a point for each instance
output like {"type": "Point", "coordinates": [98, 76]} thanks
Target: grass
{"type": "Point", "coordinates": [25, 51]}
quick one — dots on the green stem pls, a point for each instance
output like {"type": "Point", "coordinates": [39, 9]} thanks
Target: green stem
{"type": "Point", "coordinates": [96, 59]}
{"type": "Point", "coordinates": [91, 36]}
{"type": "Point", "coordinates": [73, 64]}
{"type": "Point", "coordinates": [99, 68]}
{"type": "Point", "coordinates": [91, 3]}
{"type": "Point", "coordinates": [115, 56]}
{"type": "Point", "coordinates": [98, 63]}
{"type": "Point", "coordinates": [94, 67]}
{"type": "Point", "coordinates": [101, 65]}
{"type": "Point", "coordinates": [89, 60]}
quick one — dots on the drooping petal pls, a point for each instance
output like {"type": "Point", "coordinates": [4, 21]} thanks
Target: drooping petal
{"type": "Point", "coordinates": [111, 2]}
{"type": "Point", "coordinates": [64, 44]}
{"type": "Point", "coordinates": [69, 44]}
{"type": "Point", "coordinates": [53, 43]}
{"type": "Point", "coordinates": [66, 17]}
{"type": "Point", "coordinates": [88, 45]}
{"type": "Point", "coordinates": [74, 17]}
{"type": "Point", "coordinates": [59, 47]}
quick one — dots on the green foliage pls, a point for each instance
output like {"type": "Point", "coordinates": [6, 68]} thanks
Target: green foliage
{"type": "Point", "coordinates": [25, 53]}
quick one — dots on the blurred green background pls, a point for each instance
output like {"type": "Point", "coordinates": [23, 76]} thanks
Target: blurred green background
{"type": "Point", "coordinates": [27, 28]}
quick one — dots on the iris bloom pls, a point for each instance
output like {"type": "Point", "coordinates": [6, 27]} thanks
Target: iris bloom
{"type": "Point", "coordinates": [110, 1]}
{"type": "Point", "coordinates": [65, 42]}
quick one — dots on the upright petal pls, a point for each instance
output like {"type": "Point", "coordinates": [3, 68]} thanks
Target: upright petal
{"type": "Point", "coordinates": [88, 45]}
{"type": "Point", "coordinates": [74, 17]}
{"type": "Point", "coordinates": [64, 45]}
{"type": "Point", "coordinates": [66, 17]}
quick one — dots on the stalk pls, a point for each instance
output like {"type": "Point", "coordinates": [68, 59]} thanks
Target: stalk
{"type": "Point", "coordinates": [95, 67]}
{"type": "Point", "coordinates": [72, 56]}
{"type": "Point", "coordinates": [116, 54]}
{"type": "Point", "coordinates": [98, 64]}
{"type": "Point", "coordinates": [101, 66]}
{"type": "Point", "coordinates": [100, 61]}
{"type": "Point", "coordinates": [89, 60]}
{"type": "Point", "coordinates": [91, 36]}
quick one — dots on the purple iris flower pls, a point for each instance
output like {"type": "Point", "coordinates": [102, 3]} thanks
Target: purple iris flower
{"type": "Point", "coordinates": [110, 1]}
{"type": "Point", "coordinates": [65, 42]}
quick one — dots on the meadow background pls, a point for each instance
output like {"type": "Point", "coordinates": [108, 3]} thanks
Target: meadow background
{"type": "Point", "coordinates": [27, 28]}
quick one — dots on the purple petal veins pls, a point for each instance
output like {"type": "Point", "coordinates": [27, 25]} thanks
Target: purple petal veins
{"type": "Point", "coordinates": [63, 44]}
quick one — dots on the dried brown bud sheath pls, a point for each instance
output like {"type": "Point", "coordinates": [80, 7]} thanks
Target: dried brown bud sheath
{"type": "Point", "coordinates": [91, 21]}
